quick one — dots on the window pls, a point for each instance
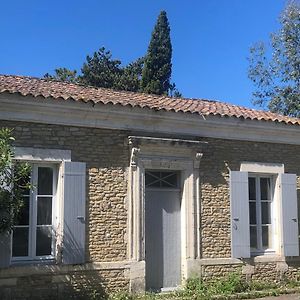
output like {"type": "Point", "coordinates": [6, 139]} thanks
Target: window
{"type": "Point", "coordinates": [260, 213]}
{"type": "Point", "coordinates": [52, 221]}
{"type": "Point", "coordinates": [33, 237]}
{"type": "Point", "coordinates": [264, 214]}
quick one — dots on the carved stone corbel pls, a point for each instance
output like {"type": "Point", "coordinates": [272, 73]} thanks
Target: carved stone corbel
{"type": "Point", "coordinates": [197, 160]}
{"type": "Point", "coordinates": [135, 149]}
{"type": "Point", "coordinates": [134, 157]}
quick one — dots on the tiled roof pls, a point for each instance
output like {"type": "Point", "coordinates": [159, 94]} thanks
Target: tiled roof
{"type": "Point", "coordinates": [63, 91]}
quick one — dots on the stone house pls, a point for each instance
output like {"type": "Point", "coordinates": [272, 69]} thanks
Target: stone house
{"type": "Point", "coordinates": [140, 192]}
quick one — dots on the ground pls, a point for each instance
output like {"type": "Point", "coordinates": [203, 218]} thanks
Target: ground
{"type": "Point", "coordinates": [282, 297]}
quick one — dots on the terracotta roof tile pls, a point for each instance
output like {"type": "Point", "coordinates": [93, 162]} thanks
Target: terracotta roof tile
{"type": "Point", "coordinates": [64, 91]}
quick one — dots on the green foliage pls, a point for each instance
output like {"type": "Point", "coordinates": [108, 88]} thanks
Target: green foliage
{"type": "Point", "coordinates": [276, 75]}
{"type": "Point", "coordinates": [130, 77]}
{"type": "Point", "coordinates": [12, 184]}
{"type": "Point", "coordinates": [63, 74]}
{"type": "Point", "coordinates": [122, 296]}
{"type": "Point", "coordinates": [158, 67]}
{"type": "Point", "coordinates": [150, 74]}
{"type": "Point", "coordinates": [229, 285]}
{"type": "Point", "coordinates": [101, 70]}
{"type": "Point", "coordinates": [222, 288]}
{"type": "Point", "coordinates": [196, 288]}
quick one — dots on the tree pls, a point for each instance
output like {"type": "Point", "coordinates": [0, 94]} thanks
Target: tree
{"type": "Point", "coordinates": [130, 76]}
{"type": "Point", "coordinates": [158, 67]}
{"type": "Point", "coordinates": [150, 75]}
{"type": "Point", "coordinates": [101, 70]}
{"type": "Point", "coordinates": [13, 182]}
{"type": "Point", "coordinates": [63, 74]}
{"type": "Point", "coordinates": [276, 76]}
{"type": "Point", "coordinates": [174, 92]}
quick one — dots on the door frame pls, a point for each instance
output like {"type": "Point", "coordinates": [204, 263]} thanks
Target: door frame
{"type": "Point", "coordinates": [163, 154]}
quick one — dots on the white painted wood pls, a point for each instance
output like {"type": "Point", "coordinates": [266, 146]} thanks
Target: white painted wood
{"type": "Point", "coordinates": [289, 214]}
{"type": "Point", "coordinates": [239, 206]}
{"type": "Point", "coordinates": [5, 250]}
{"type": "Point", "coordinates": [163, 239]}
{"type": "Point", "coordinates": [74, 201]}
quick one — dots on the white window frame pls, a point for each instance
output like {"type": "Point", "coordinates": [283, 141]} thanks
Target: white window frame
{"type": "Point", "coordinates": [53, 158]}
{"type": "Point", "coordinates": [33, 215]}
{"type": "Point", "coordinates": [260, 249]}
{"type": "Point", "coordinates": [271, 170]}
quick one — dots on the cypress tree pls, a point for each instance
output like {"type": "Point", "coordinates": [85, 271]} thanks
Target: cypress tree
{"type": "Point", "coordinates": [158, 67]}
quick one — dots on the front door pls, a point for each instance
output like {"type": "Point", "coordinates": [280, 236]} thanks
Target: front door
{"type": "Point", "coordinates": [162, 230]}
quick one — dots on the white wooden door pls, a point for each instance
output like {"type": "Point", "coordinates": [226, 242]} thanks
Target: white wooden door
{"type": "Point", "coordinates": [162, 238]}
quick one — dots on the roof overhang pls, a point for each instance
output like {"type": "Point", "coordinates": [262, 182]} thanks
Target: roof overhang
{"type": "Point", "coordinates": [14, 107]}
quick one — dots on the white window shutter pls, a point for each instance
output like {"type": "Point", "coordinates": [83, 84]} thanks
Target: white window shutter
{"type": "Point", "coordinates": [5, 249]}
{"type": "Point", "coordinates": [289, 214]}
{"type": "Point", "coordinates": [74, 200]}
{"type": "Point", "coordinates": [239, 206]}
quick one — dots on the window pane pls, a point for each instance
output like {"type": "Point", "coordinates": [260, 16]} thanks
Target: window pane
{"type": "Point", "coordinates": [23, 218]}
{"type": "Point", "coordinates": [45, 181]}
{"type": "Point", "coordinates": [44, 211]}
{"type": "Point", "coordinates": [253, 237]}
{"type": "Point", "coordinates": [252, 212]}
{"type": "Point", "coordinates": [266, 234]}
{"type": "Point", "coordinates": [43, 240]}
{"type": "Point", "coordinates": [24, 183]}
{"type": "Point", "coordinates": [169, 179]}
{"type": "Point", "coordinates": [265, 212]}
{"type": "Point", "coordinates": [252, 188]}
{"type": "Point", "coordinates": [265, 184]}
{"type": "Point", "coordinates": [20, 241]}
{"type": "Point", "coordinates": [152, 179]}
{"type": "Point", "coordinates": [161, 179]}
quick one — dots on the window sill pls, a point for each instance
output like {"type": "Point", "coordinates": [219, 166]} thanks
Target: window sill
{"type": "Point", "coordinates": [48, 261]}
{"type": "Point", "coordinates": [268, 257]}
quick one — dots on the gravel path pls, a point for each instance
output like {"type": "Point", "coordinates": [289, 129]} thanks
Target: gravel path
{"type": "Point", "coordinates": [282, 297]}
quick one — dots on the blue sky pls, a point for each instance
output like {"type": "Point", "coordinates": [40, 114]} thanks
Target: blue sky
{"type": "Point", "coordinates": [211, 38]}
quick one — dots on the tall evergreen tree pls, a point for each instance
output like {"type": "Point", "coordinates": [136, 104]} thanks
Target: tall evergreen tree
{"type": "Point", "coordinates": [158, 67]}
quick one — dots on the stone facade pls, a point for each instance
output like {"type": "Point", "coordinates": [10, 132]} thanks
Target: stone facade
{"type": "Point", "coordinates": [222, 156]}
{"type": "Point", "coordinates": [107, 156]}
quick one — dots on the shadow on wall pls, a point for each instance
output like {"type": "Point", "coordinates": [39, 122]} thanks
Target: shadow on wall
{"type": "Point", "coordinates": [61, 281]}
{"type": "Point", "coordinates": [54, 282]}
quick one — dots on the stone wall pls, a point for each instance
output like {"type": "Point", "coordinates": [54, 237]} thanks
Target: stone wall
{"type": "Point", "coordinates": [220, 157]}
{"type": "Point", "coordinates": [107, 156]}
{"type": "Point", "coordinates": [85, 284]}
